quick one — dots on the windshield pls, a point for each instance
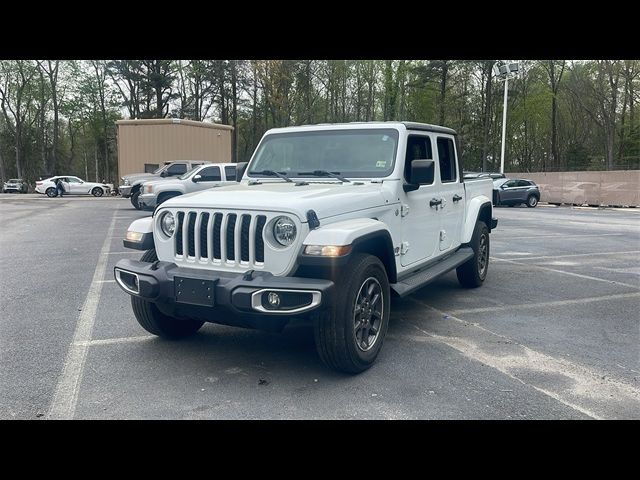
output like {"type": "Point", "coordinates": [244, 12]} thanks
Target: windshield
{"type": "Point", "coordinates": [14, 180]}
{"type": "Point", "coordinates": [499, 181]}
{"type": "Point", "coordinates": [352, 153]}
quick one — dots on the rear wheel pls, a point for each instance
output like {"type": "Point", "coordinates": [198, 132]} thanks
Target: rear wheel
{"type": "Point", "coordinates": [97, 192]}
{"type": "Point", "coordinates": [532, 201]}
{"type": "Point", "coordinates": [134, 200]}
{"type": "Point", "coordinates": [472, 273]}
{"type": "Point", "coordinates": [350, 335]}
{"type": "Point", "coordinates": [51, 192]}
{"type": "Point", "coordinates": [154, 321]}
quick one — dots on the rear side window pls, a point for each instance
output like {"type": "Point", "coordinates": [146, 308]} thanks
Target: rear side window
{"type": "Point", "coordinates": [230, 173]}
{"type": "Point", "coordinates": [210, 174]}
{"type": "Point", "coordinates": [447, 158]}
{"type": "Point", "coordinates": [177, 169]}
{"type": "Point", "coordinates": [524, 183]}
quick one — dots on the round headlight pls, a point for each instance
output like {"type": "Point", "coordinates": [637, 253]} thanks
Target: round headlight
{"type": "Point", "coordinates": [284, 231]}
{"type": "Point", "coordinates": [168, 224]}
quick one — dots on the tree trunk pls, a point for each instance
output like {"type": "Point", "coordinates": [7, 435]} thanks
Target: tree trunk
{"type": "Point", "coordinates": [444, 71]}
{"type": "Point", "coordinates": [234, 112]}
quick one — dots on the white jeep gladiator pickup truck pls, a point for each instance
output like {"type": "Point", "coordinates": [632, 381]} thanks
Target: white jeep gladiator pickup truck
{"type": "Point", "coordinates": [326, 222]}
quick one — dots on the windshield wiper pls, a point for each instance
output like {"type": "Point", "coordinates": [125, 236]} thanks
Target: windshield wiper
{"type": "Point", "coordinates": [324, 173]}
{"type": "Point", "coordinates": [271, 173]}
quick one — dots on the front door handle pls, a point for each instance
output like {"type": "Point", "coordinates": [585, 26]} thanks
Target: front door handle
{"type": "Point", "coordinates": [457, 198]}
{"type": "Point", "coordinates": [435, 202]}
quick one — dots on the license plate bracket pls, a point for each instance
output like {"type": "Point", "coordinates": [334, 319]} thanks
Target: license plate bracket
{"type": "Point", "coordinates": [194, 291]}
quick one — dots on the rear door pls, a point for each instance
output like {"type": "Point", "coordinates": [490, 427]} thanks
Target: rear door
{"type": "Point", "coordinates": [451, 211]}
{"type": "Point", "coordinates": [230, 173]}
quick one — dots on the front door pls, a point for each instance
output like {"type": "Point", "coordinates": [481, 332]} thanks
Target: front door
{"type": "Point", "coordinates": [74, 185]}
{"type": "Point", "coordinates": [420, 222]}
{"type": "Point", "coordinates": [452, 193]}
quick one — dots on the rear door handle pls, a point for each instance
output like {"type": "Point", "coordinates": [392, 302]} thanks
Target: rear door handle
{"type": "Point", "coordinates": [435, 202]}
{"type": "Point", "coordinates": [457, 198]}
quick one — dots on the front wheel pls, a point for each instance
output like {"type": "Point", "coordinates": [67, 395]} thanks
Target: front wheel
{"type": "Point", "coordinates": [51, 192]}
{"type": "Point", "coordinates": [532, 201]}
{"type": "Point", "coordinates": [97, 192]}
{"type": "Point", "coordinates": [134, 200]}
{"type": "Point", "coordinates": [472, 273]}
{"type": "Point", "coordinates": [154, 321]}
{"type": "Point", "coordinates": [350, 335]}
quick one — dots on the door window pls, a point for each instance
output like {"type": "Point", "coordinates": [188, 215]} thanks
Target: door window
{"type": "Point", "coordinates": [230, 173]}
{"type": "Point", "coordinates": [418, 148]}
{"type": "Point", "coordinates": [447, 158]}
{"type": "Point", "coordinates": [210, 174]}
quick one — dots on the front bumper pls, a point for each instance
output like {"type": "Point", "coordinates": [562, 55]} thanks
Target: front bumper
{"type": "Point", "coordinates": [125, 190]}
{"type": "Point", "coordinates": [148, 200]}
{"type": "Point", "coordinates": [220, 297]}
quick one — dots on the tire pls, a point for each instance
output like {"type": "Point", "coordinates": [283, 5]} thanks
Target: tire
{"type": "Point", "coordinates": [532, 201]}
{"type": "Point", "coordinates": [472, 273]}
{"type": "Point", "coordinates": [156, 322]}
{"type": "Point", "coordinates": [340, 343]}
{"type": "Point", "coordinates": [51, 192]}
{"type": "Point", "coordinates": [134, 200]}
{"type": "Point", "coordinates": [97, 192]}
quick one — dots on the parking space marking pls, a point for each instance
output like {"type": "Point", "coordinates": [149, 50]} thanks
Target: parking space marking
{"type": "Point", "coordinates": [588, 277]}
{"type": "Point", "coordinates": [588, 391]}
{"type": "Point", "coordinates": [65, 398]}
{"type": "Point", "coordinates": [551, 257]}
{"type": "Point", "coordinates": [106, 281]}
{"type": "Point", "coordinates": [555, 303]}
{"type": "Point", "coordinates": [115, 341]}
{"type": "Point", "coordinates": [527, 237]}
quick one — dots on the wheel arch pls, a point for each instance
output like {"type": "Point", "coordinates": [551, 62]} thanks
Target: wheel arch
{"type": "Point", "coordinates": [480, 209]}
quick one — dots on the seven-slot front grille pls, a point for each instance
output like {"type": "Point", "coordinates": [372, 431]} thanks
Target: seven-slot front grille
{"type": "Point", "coordinates": [228, 238]}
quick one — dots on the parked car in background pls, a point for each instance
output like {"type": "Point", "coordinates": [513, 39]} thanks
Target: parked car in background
{"type": "Point", "coordinates": [72, 186]}
{"type": "Point", "coordinates": [514, 191]}
{"type": "Point", "coordinates": [131, 184]}
{"type": "Point", "coordinates": [16, 185]}
{"type": "Point", "coordinates": [205, 176]}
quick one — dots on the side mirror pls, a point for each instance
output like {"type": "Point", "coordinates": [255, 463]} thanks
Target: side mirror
{"type": "Point", "coordinates": [197, 178]}
{"type": "Point", "coordinates": [164, 173]}
{"type": "Point", "coordinates": [241, 167]}
{"type": "Point", "coordinates": [422, 173]}
{"type": "Point", "coordinates": [503, 186]}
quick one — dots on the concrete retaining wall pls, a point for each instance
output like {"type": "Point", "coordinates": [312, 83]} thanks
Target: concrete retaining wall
{"type": "Point", "coordinates": [614, 188]}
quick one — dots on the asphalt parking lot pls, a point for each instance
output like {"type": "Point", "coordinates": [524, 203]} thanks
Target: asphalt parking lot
{"type": "Point", "coordinates": [554, 333]}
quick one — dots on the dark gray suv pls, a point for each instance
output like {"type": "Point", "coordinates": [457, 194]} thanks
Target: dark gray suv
{"type": "Point", "coordinates": [514, 191]}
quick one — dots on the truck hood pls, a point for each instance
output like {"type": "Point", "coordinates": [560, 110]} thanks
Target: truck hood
{"type": "Point", "coordinates": [326, 199]}
{"type": "Point", "coordinates": [136, 177]}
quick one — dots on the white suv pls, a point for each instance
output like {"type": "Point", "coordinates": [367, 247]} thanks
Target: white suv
{"type": "Point", "coordinates": [205, 176]}
{"type": "Point", "coordinates": [327, 222]}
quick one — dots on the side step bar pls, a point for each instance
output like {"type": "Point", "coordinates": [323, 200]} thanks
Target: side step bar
{"type": "Point", "coordinates": [420, 278]}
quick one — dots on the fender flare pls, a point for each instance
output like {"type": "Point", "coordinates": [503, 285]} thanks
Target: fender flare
{"type": "Point", "coordinates": [365, 235]}
{"type": "Point", "coordinates": [142, 226]}
{"type": "Point", "coordinates": [480, 208]}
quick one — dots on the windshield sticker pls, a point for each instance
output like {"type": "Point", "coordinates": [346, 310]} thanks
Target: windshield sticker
{"type": "Point", "coordinates": [381, 164]}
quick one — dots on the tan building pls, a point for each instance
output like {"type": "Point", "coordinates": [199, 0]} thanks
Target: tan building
{"type": "Point", "coordinates": [144, 145]}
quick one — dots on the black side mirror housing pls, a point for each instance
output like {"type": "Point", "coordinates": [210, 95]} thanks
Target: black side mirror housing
{"type": "Point", "coordinates": [197, 178]}
{"type": "Point", "coordinates": [422, 173]}
{"type": "Point", "coordinates": [164, 173]}
{"type": "Point", "coordinates": [241, 167]}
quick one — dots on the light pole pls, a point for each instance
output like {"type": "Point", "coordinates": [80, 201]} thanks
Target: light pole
{"type": "Point", "coordinates": [504, 71]}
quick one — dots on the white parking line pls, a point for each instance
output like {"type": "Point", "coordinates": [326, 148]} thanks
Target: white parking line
{"type": "Point", "coordinates": [106, 281]}
{"type": "Point", "coordinates": [544, 257]}
{"type": "Point", "coordinates": [115, 341]}
{"type": "Point", "coordinates": [587, 277]}
{"type": "Point", "coordinates": [65, 398]}
{"type": "Point", "coordinates": [560, 235]}
{"type": "Point", "coordinates": [555, 303]}
{"type": "Point", "coordinates": [588, 391]}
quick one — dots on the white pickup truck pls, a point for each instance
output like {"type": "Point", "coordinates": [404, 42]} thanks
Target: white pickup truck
{"type": "Point", "coordinates": [326, 222]}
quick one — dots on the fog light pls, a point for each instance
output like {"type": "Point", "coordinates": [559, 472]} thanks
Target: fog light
{"type": "Point", "coordinates": [274, 299]}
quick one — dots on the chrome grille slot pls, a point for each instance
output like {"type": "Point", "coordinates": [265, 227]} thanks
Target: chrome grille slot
{"type": "Point", "coordinates": [227, 239]}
